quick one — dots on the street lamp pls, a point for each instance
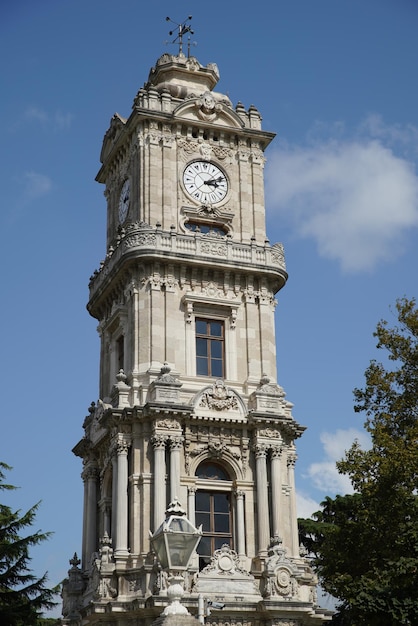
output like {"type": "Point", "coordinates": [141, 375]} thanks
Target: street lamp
{"type": "Point", "coordinates": [174, 543]}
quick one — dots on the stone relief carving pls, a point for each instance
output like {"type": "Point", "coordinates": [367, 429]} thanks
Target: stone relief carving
{"type": "Point", "coordinates": [106, 550]}
{"type": "Point", "coordinates": [225, 562]}
{"type": "Point", "coordinates": [213, 248]}
{"type": "Point", "coordinates": [188, 148]}
{"type": "Point", "coordinates": [279, 575]}
{"type": "Point", "coordinates": [205, 151]}
{"type": "Point", "coordinates": [207, 109]}
{"type": "Point", "coordinates": [219, 398]}
{"type": "Point", "coordinates": [168, 424]}
{"type": "Point", "coordinates": [212, 290]}
{"type": "Point", "coordinates": [277, 255]}
{"type": "Point", "coordinates": [140, 239]}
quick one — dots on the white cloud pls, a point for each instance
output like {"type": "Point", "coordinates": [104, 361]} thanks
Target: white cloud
{"type": "Point", "coordinates": [35, 185]}
{"type": "Point", "coordinates": [56, 120]}
{"type": "Point", "coordinates": [324, 474]}
{"type": "Point", "coordinates": [305, 505]}
{"type": "Point", "coordinates": [34, 113]}
{"type": "Point", "coordinates": [355, 198]}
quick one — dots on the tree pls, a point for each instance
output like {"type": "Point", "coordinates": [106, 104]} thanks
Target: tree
{"type": "Point", "coordinates": [365, 545]}
{"type": "Point", "coordinates": [23, 596]}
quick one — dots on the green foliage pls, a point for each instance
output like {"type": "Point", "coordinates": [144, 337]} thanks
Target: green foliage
{"type": "Point", "coordinates": [23, 596]}
{"type": "Point", "coordinates": [365, 546]}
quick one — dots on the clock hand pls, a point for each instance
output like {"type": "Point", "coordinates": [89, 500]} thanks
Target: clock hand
{"type": "Point", "coordinates": [214, 182]}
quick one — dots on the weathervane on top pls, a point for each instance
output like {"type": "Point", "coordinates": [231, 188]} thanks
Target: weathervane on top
{"type": "Point", "coordinates": [182, 29]}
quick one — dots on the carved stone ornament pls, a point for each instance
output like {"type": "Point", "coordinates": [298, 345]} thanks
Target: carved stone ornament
{"type": "Point", "coordinates": [225, 572]}
{"type": "Point", "coordinates": [277, 255]}
{"type": "Point", "coordinates": [225, 562]}
{"type": "Point", "coordinates": [168, 424]}
{"type": "Point", "coordinates": [280, 574]}
{"type": "Point", "coordinates": [165, 377]}
{"type": "Point", "coordinates": [265, 386]}
{"type": "Point", "coordinates": [219, 398]}
{"type": "Point", "coordinates": [72, 590]}
{"type": "Point", "coordinates": [207, 108]}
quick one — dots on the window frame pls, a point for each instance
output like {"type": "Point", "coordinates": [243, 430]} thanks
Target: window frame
{"type": "Point", "coordinates": [210, 340]}
{"type": "Point", "coordinates": [213, 487]}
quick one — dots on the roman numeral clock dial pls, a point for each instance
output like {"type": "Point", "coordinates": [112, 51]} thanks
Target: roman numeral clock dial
{"type": "Point", "coordinates": [205, 182]}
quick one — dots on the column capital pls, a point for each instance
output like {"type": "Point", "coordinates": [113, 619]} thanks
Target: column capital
{"type": "Point", "coordinates": [276, 452]}
{"type": "Point", "coordinates": [90, 472]}
{"type": "Point", "coordinates": [291, 459]}
{"type": "Point", "coordinates": [158, 441]}
{"type": "Point", "coordinates": [260, 450]}
{"type": "Point", "coordinates": [122, 444]}
{"type": "Point", "coordinates": [176, 443]}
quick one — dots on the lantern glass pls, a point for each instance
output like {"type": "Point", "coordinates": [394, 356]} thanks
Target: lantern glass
{"type": "Point", "coordinates": [175, 542]}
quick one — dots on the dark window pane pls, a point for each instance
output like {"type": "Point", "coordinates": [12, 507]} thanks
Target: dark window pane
{"type": "Point", "coordinates": [219, 542]}
{"type": "Point", "coordinates": [204, 546]}
{"type": "Point", "coordinates": [201, 347]}
{"type": "Point", "coordinates": [204, 519]}
{"type": "Point", "coordinates": [212, 472]}
{"type": "Point", "coordinates": [201, 327]}
{"type": "Point", "coordinates": [216, 329]}
{"type": "Point", "coordinates": [202, 366]}
{"type": "Point", "coordinates": [215, 349]}
{"type": "Point", "coordinates": [221, 522]}
{"type": "Point", "coordinates": [202, 501]}
{"type": "Point", "coordinates": [221, 502]}
{"type": "Point", "coordinates": [216, 368]}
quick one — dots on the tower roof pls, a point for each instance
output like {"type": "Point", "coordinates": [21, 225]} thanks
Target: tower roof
{"type": "Point", "coordinates": [182, 76]}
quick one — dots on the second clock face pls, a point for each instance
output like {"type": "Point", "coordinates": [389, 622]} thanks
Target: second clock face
{"type": "Point", "coordinates": [124, 201]}
{"type": "Point", "coordinates": [205, 182]}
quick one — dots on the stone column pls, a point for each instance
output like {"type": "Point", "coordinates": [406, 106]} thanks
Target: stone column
{"type": "Point", "coordinates": [262, 499]}
{"type": "Point", "coordinates": [191, 505]}
{"type": "Point", "coordinates": [89, 476]}
{"type": "Point", "coordinates": [158, 442]}
{"type": "Point", "coordinates": [122, 447]}
{"type": "Point", "coordinates": [240, 523]}
{"type": "Point", "coordinates": [293, 512]}
{"type": "Point", "coordinates": [135, 333]}
{"type": "Point", "coordinates": [135, 520]}
{"type": "Point", "coordinates": [114, 499]}
{"type": "Point", "coordinates": [175, 448]}
{"type": "Point", "coordinates": [105, 509]}
{"type": "Point", "coordinates": [276, 489]}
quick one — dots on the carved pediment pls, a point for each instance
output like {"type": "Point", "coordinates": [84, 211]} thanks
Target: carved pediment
{"type": "Point", "coordinates": [225, 572]}
{"type": "Point", "coordinates": [117, 126]}
{"type": "Point", "coordinates": [209, 108]}
{"type": "Point", "coordinates": [218, 398]}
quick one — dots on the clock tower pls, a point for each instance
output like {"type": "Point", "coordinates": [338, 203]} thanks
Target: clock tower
{"type": "Point", "coordinates": [190, 407]}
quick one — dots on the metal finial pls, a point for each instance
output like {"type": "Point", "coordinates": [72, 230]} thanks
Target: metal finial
{"type": "Point", "coordinates": [182, 29]}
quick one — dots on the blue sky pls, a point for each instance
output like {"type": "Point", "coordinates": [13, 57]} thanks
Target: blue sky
{"type": "Point", "coordinates": [335, 79]}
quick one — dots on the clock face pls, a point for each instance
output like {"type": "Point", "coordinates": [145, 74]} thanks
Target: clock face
{"type": "Point", "coordinates": [124, 201]}
{"type": "Point", "coordinates": [205, 182]}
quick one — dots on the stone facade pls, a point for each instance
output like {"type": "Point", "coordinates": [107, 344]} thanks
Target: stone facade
{"type": "Point", "coordinates": [183, 412]}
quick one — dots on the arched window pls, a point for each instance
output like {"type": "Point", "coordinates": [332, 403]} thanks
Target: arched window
{"type": "Point", "coordinates": [213, 510]}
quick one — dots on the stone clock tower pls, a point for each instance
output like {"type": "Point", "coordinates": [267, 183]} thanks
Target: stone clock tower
{"type": "Point", "coordinates": [189, 407]}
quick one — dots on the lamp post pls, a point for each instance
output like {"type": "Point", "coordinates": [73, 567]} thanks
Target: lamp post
{"type": "Point", "coordinates": [174, 543]}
